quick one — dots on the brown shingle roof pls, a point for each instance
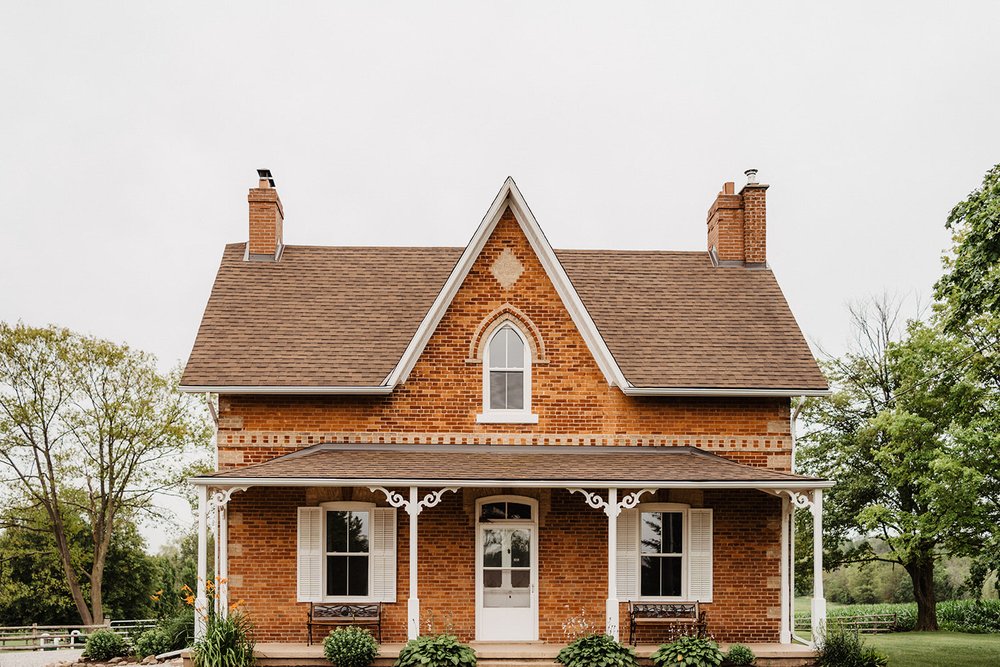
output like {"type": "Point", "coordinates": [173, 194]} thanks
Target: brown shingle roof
{"type": "Point", "coordinates": [334, 316]}
{"type": "Point", "coordinates": [480, 463]}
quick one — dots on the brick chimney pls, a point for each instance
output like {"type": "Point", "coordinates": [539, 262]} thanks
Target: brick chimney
{"type": "Point", "coordinates": [737, 224]}
{"type": "Point", "coordinates": [266, 219]}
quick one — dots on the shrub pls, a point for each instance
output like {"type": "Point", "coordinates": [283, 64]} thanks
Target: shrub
{"type": "Point", "coordinates": [973, 616]}
{"type": "Point", "coordinates": [688, 650]}
{"type": "Point", "coordinates": [104, 644]}
{"type": "Point", "coordinates": [436, 651]}
{"type": "Point", "coordinates": [153, 642]}
{"type": "Point", "coordinates": [597, 649]}
{"type": "Point", "coordinates": [350, 647]}
{"type": "Point", "coordinates": [845, 649]}
{"type": "Point", "coordinates": [180, 630]}
{"type": "Point", "coordinates": [740, 655]}
{"type": "Point", "coordinates": [228, 642]}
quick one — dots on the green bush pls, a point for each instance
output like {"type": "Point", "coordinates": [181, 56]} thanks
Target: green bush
{"type": "Point", "coordinates": [973, 616]}
{"type": "Point", "coordinates": [180, 630]}
{"type": "Point", "coordinates": [436, 651]}
{"type": "Point", "coordinates": [845, 649]}
{"type": "Point", "coordinates": [597, 649]}
{"type": "Point", "coordinates": [350, 647]}
{"type": "Point", "coordinates": [152, 642]}
{"type": "Point", "coordinates": [104, 645]}
{"type": "Point", "coordinates": [228, 642]}
{"type": "Point", "coordinates": [740, 655]}
{"type": "Point", "coordinates": [689, 651]}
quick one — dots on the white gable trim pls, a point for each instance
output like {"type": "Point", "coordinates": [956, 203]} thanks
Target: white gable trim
{"type": "Point", "coordinates": [509, 195]}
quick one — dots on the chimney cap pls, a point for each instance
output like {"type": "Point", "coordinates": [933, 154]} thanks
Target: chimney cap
{"type": "Point", "coordinates": [751, 176]}
{"type": "Point", "coordinates": [265, 177]}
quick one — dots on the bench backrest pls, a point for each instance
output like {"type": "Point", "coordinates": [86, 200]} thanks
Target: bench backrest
{"type": "Point", "coordinates": [330, 611]}
{"type": "Point", "coordinates": [663, 609]}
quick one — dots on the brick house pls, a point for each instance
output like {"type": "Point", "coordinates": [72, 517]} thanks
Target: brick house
{"type": "Point", "coordinates": [563, 430]}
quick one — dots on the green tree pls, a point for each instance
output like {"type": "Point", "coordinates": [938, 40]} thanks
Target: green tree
{"type": "Point", "coordinates": [969, 302]}
{"type": "Point", "coordinates": [32, 584]}
{"type": "Point", "coordinates": [903, 436]}
{"type": "Point", "coordinates": [89, 427]}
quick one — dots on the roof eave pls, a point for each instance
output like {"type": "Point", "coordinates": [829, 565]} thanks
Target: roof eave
{"type": "Point", "coordinates": [722, 391]}
{"type": "Point", "coordinates": [283, 389]}
{"type": "Point", "coordinates": [514, 483]}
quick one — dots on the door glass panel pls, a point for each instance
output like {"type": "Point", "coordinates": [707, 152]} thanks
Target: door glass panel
{"type": "Point", "coordinates": [520, 548]}
{"type": "Point", "coordinates": [520, 578]}
{"type": "Point", "coordinates": [492, 578]}
{"type": "Point", "coordinates": [519, 511]}
{"type": "Point", "coordinates": [493, 511]}
{"type": "Point", "coordinates": [493, 550]}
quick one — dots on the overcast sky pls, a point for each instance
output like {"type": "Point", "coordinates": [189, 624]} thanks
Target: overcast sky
{"type": "Point", "coordinates": [130, 132]}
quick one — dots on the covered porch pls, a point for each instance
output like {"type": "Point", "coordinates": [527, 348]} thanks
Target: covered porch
{"type": "Point", "coordinates": [577, 502]}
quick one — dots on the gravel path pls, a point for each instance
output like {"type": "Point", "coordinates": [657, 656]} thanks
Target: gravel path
{"type": "Point", "coordinates": [36, 658]}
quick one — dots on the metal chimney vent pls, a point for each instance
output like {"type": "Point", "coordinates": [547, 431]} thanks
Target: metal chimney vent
{"type": "Point", "coordinates": [751, 176]}
{"type": "Point", "coordinates": [265, 175]}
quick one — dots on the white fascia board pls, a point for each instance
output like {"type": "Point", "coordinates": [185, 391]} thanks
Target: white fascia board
{"type": "Point", "coordinates": [257, 389]}
{"type": "Point", "coordinates": [489, 483]}
{"type": "Point", "coordinates": [709, 391]}
{"type": "Point", "coordinates": [509, 194]}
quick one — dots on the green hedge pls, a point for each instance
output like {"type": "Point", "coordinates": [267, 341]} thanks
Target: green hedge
{"type": "Point", "coordinates": [974, 616]}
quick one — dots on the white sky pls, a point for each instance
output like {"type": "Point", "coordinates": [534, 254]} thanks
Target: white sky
{"type": "Point", "coordinates": [130, 132]}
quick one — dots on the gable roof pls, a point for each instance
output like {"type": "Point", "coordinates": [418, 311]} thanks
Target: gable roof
{"type": "Point", "coordinates": [355, 320]}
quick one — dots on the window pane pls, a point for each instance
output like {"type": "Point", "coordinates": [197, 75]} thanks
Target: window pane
{"type": "Point", "coordinates": [652, 532]}
{"type": "Point", "coordinates": [515, 350]}
{"type": "Point", "coordinates": [520, 578]}
{"type": "Point", "coordinates": [336, 575]}
{"type": "Point", "coordinates": [515, 391]}
{"type": "Point", "coordinates": [650, 576]}
{"type": "Point", "coordinates": [518, 511]}
{"type": "Point", "coordinates": [336, 531]}
{"type": "Point", "coordinates": [498, 349]}
{"type": "Point", "coordinates": [492, 548]}
{"type": "Point", "coordinates": [358, 532]}
{"type": "Point", "coordinates": [498, 390]}
{"type": "Point", "coordinates": [670, 576]}
{"type": "Point", "coordinates": [520, 548]}
{"type": "Point", "coordinates": [492, 511]}
{"type": "Point", "coordinates": [672, 541]}
{"type": "Point", "coordinates": [357, 575]}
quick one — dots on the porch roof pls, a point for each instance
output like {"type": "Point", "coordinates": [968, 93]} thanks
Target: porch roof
{"type": "Point", "coordinates": [351, 464]}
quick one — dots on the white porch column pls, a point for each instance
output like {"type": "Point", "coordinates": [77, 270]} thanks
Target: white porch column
{"type": "Point", "coordinates": [818, 600]}
{"type": "Point", "coordinates": [200, 600]}
{"type": "Point", "coordinates": [611, 608]}
{"type": "Point", "coordinates": [413, 604]}
{"type": "Point", "coordinates": [785, 632]}
{"type": "Point", "coordinates": [222, 571]}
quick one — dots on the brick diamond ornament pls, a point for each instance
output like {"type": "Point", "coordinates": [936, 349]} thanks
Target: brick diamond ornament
{"type": "Point", "coordinates": [507, 269]}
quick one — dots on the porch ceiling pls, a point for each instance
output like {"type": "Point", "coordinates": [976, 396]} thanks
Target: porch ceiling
{"type": "Point", "coordinates": [507, 465]}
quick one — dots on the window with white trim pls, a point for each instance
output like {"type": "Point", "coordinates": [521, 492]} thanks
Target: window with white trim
{"type": "Point", "coordinates": [661, 554]}
{"type": "Point", "coordinates": [507, 378]}
{"type": "Point", "coordinates": [348, 562]}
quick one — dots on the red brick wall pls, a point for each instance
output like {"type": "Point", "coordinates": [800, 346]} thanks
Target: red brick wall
{"type": "Point", "coordinates": [572, 566]}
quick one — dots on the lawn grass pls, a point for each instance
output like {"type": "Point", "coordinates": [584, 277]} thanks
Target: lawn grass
{"type": "Point", "coordinates": [938, 649]}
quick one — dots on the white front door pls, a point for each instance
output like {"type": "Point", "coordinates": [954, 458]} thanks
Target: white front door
{"type": "Point", "coordinates": [507, 581]}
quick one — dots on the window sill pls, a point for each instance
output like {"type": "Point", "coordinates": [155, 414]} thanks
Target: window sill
{"type": "Point", "coordinates": [506, 418]}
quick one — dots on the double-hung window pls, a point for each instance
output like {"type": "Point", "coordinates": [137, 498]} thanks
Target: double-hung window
{"type": "Point", "coordinates": [661, 549]}
{"type": "Point", "coordinates": [348, 558]}
{"type": "Point", "coordinates": [507, 378]}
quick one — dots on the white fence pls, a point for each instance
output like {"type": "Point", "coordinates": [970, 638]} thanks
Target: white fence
{"type": "Point", "coordinates": [50, 637]}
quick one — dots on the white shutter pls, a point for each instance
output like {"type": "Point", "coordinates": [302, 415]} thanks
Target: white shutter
{"type": "Point", "coordinates": [628, 554]}
{"type": "Point", "coordinates": [383, 554]}
{"type": "Point", "coordinates": [310, 559]}
{"type": "Point", "coordinates": [700, 555]}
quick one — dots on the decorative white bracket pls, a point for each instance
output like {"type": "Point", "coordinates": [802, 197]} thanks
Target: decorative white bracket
{"type": "Point", "coordinates": [221, 497]}
{"type": "Point", "coordinates": [628, 502]}
{"type": "Point", "coordinates": [799, 499]}
{"type": "Point", "coordinates": [397, 500]}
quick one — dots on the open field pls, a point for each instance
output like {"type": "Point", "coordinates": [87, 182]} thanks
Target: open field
{"type": "Point", "coordinates": [938, 649]}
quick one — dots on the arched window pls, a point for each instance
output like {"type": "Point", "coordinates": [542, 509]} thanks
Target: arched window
{"type": "Point", "coordinates": [507, 378]}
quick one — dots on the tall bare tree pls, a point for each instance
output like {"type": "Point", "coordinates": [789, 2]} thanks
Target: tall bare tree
{"type": "Point", "coordinates": [93, 427]}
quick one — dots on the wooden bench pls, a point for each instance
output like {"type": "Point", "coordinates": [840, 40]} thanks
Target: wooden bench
{"type": "Point", "coordinates": [340, 615]}
{"type": "Point", "coordinates": [681, 615]}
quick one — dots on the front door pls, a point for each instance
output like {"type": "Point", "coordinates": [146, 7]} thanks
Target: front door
{"type": "Point", "coordinates": [506, 595]}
